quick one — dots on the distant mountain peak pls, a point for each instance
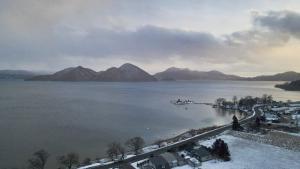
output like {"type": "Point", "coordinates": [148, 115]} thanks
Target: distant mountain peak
{"type": "Point", "coordinates": [215, 71]}
{"type": "Point", "coordinates": [126, 72]}
{"type": "Point", "coordinates": [175, 69]}
{"type": "Point", "coordinates": [291, 86]}
{"type": "Point", "coordinates": [79, 67]}
{"type": "Point", "coordinates": [128, 66]}
{"type": "Point", "coordinates": [187, 74]}
{"type": "Point", "coordinates": [78, 73]}
{"type": "Point", "coordinates": [16, 74]}
{"type": "Point", "coordinates": [285, 76]}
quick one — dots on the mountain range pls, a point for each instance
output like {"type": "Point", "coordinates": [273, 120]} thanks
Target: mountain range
{"type": "Point", "coordinates": [187, 74]}
{"type": "Point", "coordinates": [16, 74]}
{"type": "Point", "coordinates": [286, 76]}
{"type": "Point", "coordinates": [126, 72]}
{"type": "Point", "coordinates": [290, 86]}
{"type": "Point", "coordinates": [174, 73]}
{"type": "Point", "coordinates": [131, 73]}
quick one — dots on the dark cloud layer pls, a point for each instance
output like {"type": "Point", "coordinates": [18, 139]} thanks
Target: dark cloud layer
{"type": "Point", "coordinates": [148, 42]}
{"type": "Point", "coordinates": [281, 21]}
{"type": "Point", "coordinates": [51, 41]}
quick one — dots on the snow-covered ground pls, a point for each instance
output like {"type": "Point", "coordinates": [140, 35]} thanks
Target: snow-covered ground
{"type": "Point", "coordinates": [150, 148]}
{"type": "Point", "coordinates": [184, 167]}
{"type": "Point", "coordinates": [246, 154]}
{"type": "Point", "coordinates": [135, 163]}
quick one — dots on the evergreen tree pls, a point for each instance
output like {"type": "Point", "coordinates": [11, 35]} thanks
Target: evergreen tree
{"type": "Point", "coordinates": [257, 122]}
{"type": "Point", "coordinates": [220, 149]}
{"type": "Point", "coordinates": [235, 123]}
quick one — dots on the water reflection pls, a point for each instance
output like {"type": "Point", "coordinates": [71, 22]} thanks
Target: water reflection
{"type": "Point", "coordinates": [230, 112]}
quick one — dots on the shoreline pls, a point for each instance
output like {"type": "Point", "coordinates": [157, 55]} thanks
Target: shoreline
{"type": "Point", "coordinates": [193, 132]}
{"type": "Point", "coordinates": [171, 146]}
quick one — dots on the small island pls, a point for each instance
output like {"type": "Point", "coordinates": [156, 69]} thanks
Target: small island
{"type": "Point", "coordinates": [290, 86]}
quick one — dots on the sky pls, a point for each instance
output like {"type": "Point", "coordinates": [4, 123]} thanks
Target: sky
{"type": "Point", "coordinates": [240, 37]}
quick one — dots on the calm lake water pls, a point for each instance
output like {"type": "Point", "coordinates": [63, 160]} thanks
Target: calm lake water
{"type": "Point", "coordinates": [84, 117]}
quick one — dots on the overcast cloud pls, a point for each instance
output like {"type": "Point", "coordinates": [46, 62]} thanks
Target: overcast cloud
{"type": "Point", "coordinates": [50, 35]}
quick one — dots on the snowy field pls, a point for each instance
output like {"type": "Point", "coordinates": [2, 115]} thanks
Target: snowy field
{"type": "Point", "coordinates": [247, 154]}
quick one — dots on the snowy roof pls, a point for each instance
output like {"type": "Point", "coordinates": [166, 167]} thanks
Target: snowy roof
{"type": "Point", "coordinates": [169, 157]}
{"type": "Point", "coordinates": [194, 160]}
{"type": "Point", "coordinates": [159, 161]}
{"type": "Point", "coordinates": [280, 109]}
{"type": "Point", "coordinates": [202, 151]}
{"type": "Point", "coordinates": [295, 105]}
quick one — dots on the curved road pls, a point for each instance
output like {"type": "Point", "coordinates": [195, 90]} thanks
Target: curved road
{"type": "Point", "coordinates": [172, 146]}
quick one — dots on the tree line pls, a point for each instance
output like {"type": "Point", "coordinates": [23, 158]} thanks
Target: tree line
{"type": "Point", "coordinates": [115, 151]}
{"type": "Point", "coordinates": [247, 101]}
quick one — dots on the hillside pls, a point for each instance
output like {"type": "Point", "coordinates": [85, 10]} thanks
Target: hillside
{"type": "Point", "coordinates": [69, 74]}
{"type": "Point", "coordinates": [16, 74]}
{"type": "Point", "coordinates": [126, 72]}
{"type": "Point", "coordinates": [290, 86]}
{"type": "Point", "coordinates": [174, 73]}
{"type": "Point", "coordinates": [286, 76]}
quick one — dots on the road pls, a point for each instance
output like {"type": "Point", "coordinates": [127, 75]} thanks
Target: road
{"type": "Point", "coordinates": [174, 145]}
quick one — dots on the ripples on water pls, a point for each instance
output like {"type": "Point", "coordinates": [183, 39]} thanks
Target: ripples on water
{"type": "Point", "coordinates": [84, 117]}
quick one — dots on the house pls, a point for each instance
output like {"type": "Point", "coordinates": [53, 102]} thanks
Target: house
{"type": "Point", "coordinates": [158, 162]}
{"type": "Point", "coordinates": [280, 110]}
{"type": "Point", "coordinates": [163, 161]}
{"type": "Point", "coordinates": [296, 115]}
{"type": "Point", "coordinates": [126, 166]}
{"type": "Point", "coordinates": [271, 117]}
{"type": "Point", "coordinates": [193, 162]}
{"type": "Point", "coordinates": [294, 104]}
{"type": "Point", "coordinates": [188, 159]}
{"type": "Point", "coordinates": [201, 153]}
{"type": "Point", "coordinates": [171, 159]}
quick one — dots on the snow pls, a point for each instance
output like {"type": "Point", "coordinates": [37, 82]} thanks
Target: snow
{"type": "Point", "coordinates": [184, 167]}
{"type": "Point", "coordinates": [150, 148]}
{"type": "Point", "coordinates": [88, 166]}
{"type": "Point", "coordinates": [195, 161]}
{"type": "Point", "coordinates": [129, 156]}
{"type": "Point", "coordinates": [293, 134]}
{"type": "Point", "coordinates": [135, 163]}
{"type": "Point", "coordinates": [253, 155]}
{"type": "Point", "coordinates": [101, 162]}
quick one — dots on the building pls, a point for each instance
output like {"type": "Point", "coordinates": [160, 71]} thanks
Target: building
{"type": "Point", "coordinates": [193, 162]}
{"type": "Point", "coordinates": [158, 162]}
{"type": "Point", "coordinates": [296, 115]}
{"type": "Point", "coordinates": [201, 153]}
{"type": "Point", "coordinates": [271, 117]}
{"type": "Point", "coordinates": [280, 110]}
{"type": "Point", "coordinates": [171, 159]}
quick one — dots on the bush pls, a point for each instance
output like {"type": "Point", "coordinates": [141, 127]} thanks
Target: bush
{"type": "Point", "coordinates": [220, 149]}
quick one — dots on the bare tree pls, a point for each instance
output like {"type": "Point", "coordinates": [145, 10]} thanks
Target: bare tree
{"type": "Point", "coordinates": [220, 101]}
{"type": "Point", "coordinates": [39, 160]}
{"type": "Point", "coordinates": [121, 152]}
{"type": "Point", "coordinates": [135, 144]}
{"type": "Point", "coordinates": [265, 98]}
{"type": "Point", "coordinates": [270, 99]}
{"type": "Point", "coordinates": [234, 99]}
{"type": "Point", "coordinates": [86, 161]}
{"type": "Point", "coordinates": [69, 160]}
{"type": "Point", "coordinates": [114, 150]}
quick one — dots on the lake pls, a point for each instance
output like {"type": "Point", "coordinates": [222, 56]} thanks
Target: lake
{"type": "Point", "coordinates": [84, 117]}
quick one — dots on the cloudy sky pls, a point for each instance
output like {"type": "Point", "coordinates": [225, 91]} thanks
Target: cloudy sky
{"type": "Point", "coordinates": [234, 36]}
